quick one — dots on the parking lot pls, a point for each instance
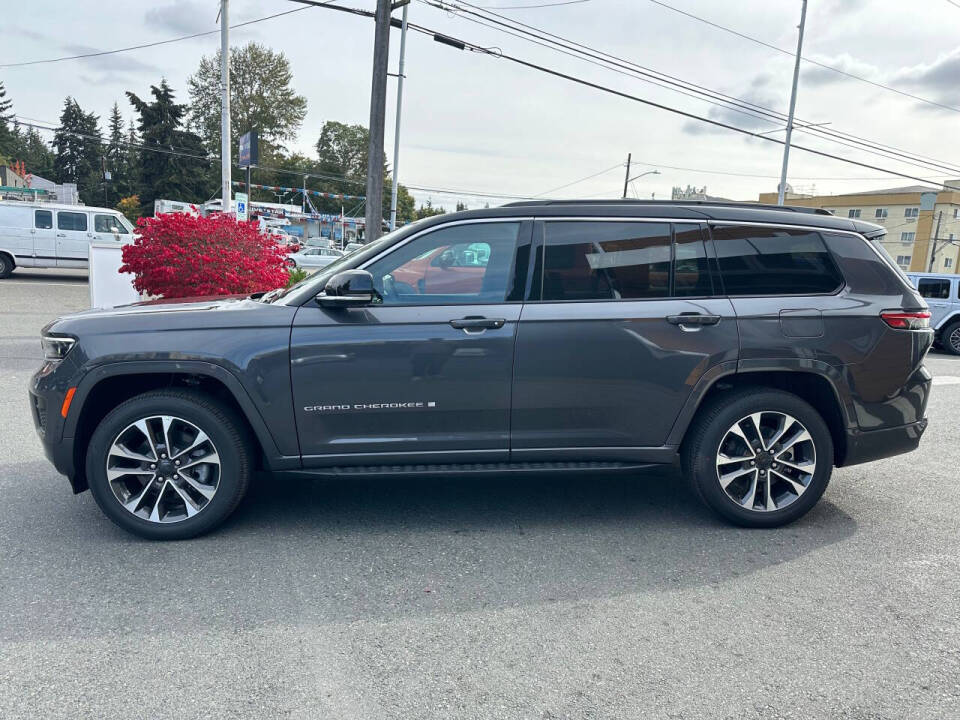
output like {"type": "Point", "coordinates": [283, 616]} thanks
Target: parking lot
{"type": "Point", "coordinates": [548, 597]}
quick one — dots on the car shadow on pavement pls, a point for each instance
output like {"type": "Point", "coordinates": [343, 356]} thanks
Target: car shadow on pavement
{"type": "Point", "coordinates": [352, 549]}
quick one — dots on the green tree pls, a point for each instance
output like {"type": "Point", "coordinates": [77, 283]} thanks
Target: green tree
{"type": "Point", "coordinates": [8, 138]}
{"type": "Point", "coordinates": [78, 150]}
{"type": "Point", "coordinates": [37, 156]}
{"type": "Point", "coordinates": [169, 159]}
{"type": "Point", "coordinates": [461, 206]}
{"type": "Point", "coordinates": [428, 210]}
{"type": "Point", "coordinates": [261, 97]}
{"type": "Point", "coordinates": [132, 159]}
{"type": "Point", "coordinates": [117, 155]}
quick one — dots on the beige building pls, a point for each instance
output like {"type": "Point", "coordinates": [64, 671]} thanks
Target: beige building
{"type": "Point", "coordinates": [910, 215]}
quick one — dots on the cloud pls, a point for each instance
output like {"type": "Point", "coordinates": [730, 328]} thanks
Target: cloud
{"type": "Point", "coordinates": [761, 91]}
{"type": "Point", "coordinates": [183, 17]}
{"type": "Point", "coordinates": [119, 63]}
{"type": "Point", "coordinates": [942, 76]}
{"type": "Point", "coordinates": [816, 76]}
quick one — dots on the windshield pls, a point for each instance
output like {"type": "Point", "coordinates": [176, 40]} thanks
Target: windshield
{"type": "Point", "coordinates": [319, 279]}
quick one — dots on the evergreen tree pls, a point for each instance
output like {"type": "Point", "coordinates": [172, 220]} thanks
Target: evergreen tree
{"type": "Point", "coordinates": [8, 138]}
{"type": "Point", "coordinates": [78, 151]}
{"type": "Point", "coordinates": [116, 155]}
{"type": "Point", "coordinates": [166, 168]}
{"type": "Point", "coordinates": [131, 160]}
{"type": "Point", "coordinates": [36, 155]}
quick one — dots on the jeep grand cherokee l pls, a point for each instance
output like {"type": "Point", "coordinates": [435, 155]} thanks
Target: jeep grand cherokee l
{"type": "Point", "coordinates": [758, 347]}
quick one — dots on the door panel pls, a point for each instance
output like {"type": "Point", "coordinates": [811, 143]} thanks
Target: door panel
{"type": "Point", "coordinates": [73, 238]}
{"type": "Point", "coordinates": [424, 374]}
{"type": "Point", "coordinates": [44, 239]}
{"type": "Point", "coordinates": [395, 380]}
{"type": "Point", "coordinates": [612, 374]}
{"type": "Point", "coordinates": [624, 328]}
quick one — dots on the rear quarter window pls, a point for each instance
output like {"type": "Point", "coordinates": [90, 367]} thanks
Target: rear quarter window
{"type": "Point", "coordinates": [773, 261]}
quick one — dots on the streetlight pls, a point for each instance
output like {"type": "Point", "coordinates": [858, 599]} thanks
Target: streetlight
{"type": "Point", "coordinates": [637, 177]}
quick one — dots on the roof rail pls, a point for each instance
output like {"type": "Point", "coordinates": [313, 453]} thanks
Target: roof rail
{"type": "Point", "coordinates": [680, 203]}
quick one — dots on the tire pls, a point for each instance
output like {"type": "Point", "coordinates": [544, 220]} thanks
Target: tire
{"type": "Point", "coordinates": [219, 467]}
{"type": "Point", "coordinates": [6, 265]}
{"type": "Point", "coordinates": [792, 483]}
{"type": "Point", "coordinates": [950, 338]}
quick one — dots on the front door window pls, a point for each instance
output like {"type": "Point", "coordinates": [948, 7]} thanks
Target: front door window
{"type": "Point", "coordinates": [463, 264]}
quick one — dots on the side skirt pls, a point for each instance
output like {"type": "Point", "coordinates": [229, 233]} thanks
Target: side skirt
{"type": "Point", "coordinates": [466, 469]}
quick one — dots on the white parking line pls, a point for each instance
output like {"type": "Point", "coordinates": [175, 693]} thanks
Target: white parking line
{"type": "Point", "coordinates": [946, 380]}
{"type": "Point", "coordinates": [79, 283]}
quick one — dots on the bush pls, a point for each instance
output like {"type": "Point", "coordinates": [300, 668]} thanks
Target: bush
{"type": "Point", "coordinates": [295, 275]}
{"type": "Point", "coordinates": [130, 206]}
{"type": "Point", "coordinates": [177, 255]}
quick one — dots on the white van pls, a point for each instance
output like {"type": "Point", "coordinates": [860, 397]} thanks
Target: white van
{"type": "Point", "coordinates": [47, 235]}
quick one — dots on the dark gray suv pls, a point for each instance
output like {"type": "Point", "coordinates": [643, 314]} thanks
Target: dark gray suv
{"type": "Point", "coordinates": [758, 347]}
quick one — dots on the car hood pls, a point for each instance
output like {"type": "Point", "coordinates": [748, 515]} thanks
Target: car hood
{"type": "Point", "coordinates": [226, 311]}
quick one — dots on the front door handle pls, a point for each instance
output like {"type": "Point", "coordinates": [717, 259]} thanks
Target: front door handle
{"type": "Point", "coordinates": [693, 319]}
{"type": "Point", "coordinates": [477, 324]}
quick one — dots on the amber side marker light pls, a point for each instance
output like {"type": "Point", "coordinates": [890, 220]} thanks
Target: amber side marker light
{"type": "Point", "coordinates": [67, 399]}
{"type": "Point", "coordinates": [900, 320]}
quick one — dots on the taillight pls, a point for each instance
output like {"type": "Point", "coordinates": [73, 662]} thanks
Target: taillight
{"type": "Point", "coordinates": [900, 320]}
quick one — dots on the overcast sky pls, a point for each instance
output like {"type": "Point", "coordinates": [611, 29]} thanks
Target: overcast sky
{"type": "Point", "coordinates": [477, 123]}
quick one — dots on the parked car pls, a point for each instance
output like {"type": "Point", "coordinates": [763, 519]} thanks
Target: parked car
{"type": "Point", "coordinates": [942, 293]}
{"type": "Point", "coordinates": [46, 235]}
{"type": "Point", "coordinates": [313, 257]}
{"type": "Point", "coordinates": [758, 347]}
{"type": "Point", "coordinates": [350, 247]}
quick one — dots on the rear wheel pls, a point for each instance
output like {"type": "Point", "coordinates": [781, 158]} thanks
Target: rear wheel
{"type": "Point", "coordinates": [950, 338]}
{"type": "Point", "coordinates": [6, 265]}
{"type": "Point", "coordinates": [759, 457]}
{"type": "Point", "coordinates": [169, 465]}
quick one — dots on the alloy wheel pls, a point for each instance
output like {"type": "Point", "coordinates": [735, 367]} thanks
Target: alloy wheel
{"type": "Point", "coordinates": [766, 461]}
{"type": "Point", "coordinates": [163, 469]}
{"type": "Point", "coordinates": [954, 340]}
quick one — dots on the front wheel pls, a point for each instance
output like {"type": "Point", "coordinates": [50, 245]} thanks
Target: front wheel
{"type": "Point", "coordinates": [759, 457]}
{"type": "Point", "coordinates": [169, 465]}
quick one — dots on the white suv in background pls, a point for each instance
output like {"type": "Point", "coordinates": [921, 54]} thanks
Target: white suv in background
{"type": "Point", "coordinates": [46, 235]}
{"type": "Point", "coordinates": [942, 293]}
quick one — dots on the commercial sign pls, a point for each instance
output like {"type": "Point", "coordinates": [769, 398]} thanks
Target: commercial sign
{"type": "Point", "coordinates": [249, 154]}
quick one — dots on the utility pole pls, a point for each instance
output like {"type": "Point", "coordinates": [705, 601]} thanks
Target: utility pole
{"type": "Point", "coordinates": [396, 132]}
{"type": "Point", "coordinates": [378, 108]}
{"type": "Point", "coordinates": [936, 236]}
{"type": "Point", "coordinates": [626, 178]}
{"type": "Point", "coordinates": [793, 104]}
{"type": "Point", "coordinates": [225, 164]}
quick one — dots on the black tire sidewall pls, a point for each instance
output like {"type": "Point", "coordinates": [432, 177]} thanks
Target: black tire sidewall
{"type": "Point", "coordinates": [945, 338]}
{"type": "Point", "coordinates": [219, 426]}
{"type": "Point", "coordinates": [6, 265]}
{"type": "Point", "coordinates": [702, 458]}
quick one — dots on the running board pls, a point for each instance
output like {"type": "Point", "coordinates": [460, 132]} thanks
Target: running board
{"type": "Point", "coordinates": [470, 468]}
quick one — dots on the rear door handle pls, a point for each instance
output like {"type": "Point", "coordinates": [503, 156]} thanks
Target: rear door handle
{"type": "Point", "coordinates": [693, 319]}
{"type": "Point", "coordinates": [477, 324]}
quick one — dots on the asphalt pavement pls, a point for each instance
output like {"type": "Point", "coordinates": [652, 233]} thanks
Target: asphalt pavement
{"type": "Point", "coordinates": [550, 597]}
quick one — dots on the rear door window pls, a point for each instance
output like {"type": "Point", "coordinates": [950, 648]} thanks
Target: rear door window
{"type": "Point", "coordinates": [43, 219]}
{"type": "Point", "coordinates": [71, 221]}
{"type": "Point", "coordinates": [934, 288]}
{"type": "Point", "coordinates": [774, 261]}
{"type": "Point", "coordinates": [606, 261]}
{"type": "Point", "coordinates": [587, 260]}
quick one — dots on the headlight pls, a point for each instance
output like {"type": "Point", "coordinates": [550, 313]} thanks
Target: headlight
{"type": "Point", "coordinates": [55, 347]}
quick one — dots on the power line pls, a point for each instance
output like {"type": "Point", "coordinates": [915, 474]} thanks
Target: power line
{"type": "Point", "coordinates": [728, 102]}
{"type": "Point", "coordinates": [461, 44]}
{"type": "Point", "coordinates": [152, 44]}
{"type": "Point", "coordinates": [805, 59]}
{"type": "Point", "coordinates": [533, 7]}
{"type": "Point", "coordinates": [583, 179]}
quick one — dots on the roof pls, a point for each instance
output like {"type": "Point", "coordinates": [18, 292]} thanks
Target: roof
{"type": "Point", "coordinates": [672, 203]}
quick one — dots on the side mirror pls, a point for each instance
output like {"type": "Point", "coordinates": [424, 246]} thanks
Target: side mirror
{"type": "Point", "coordinates": [350, 288]}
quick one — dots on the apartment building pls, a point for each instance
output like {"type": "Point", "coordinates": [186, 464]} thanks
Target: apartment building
{"type": "Point", "coordinates": [910, 214]}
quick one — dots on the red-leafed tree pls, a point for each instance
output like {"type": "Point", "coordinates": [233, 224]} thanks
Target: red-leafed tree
{"type": "Point", "coordinates": [177, 255]}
